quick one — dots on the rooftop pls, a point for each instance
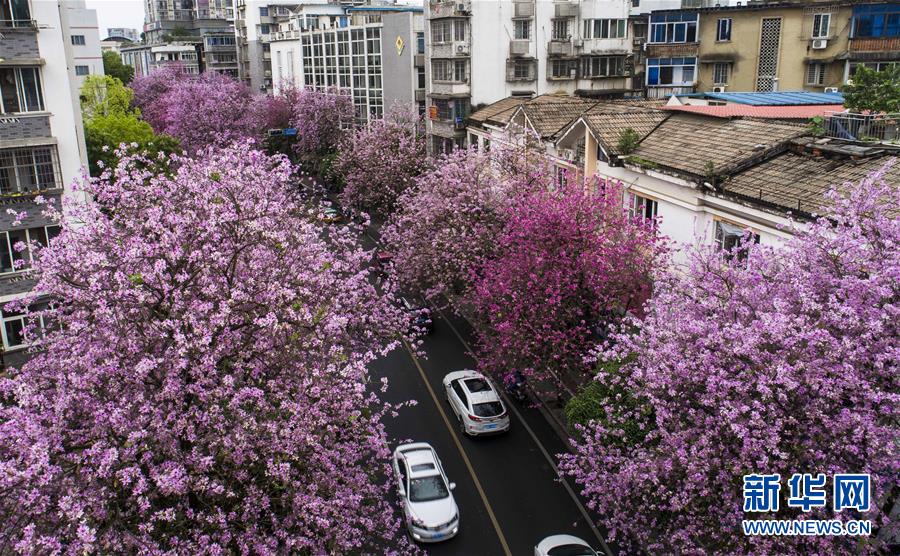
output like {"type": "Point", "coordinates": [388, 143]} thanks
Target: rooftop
{"type": "Point", "coordinates": [697, 145]}
{"type": "Point", "coordinates": [802, 112]}
{"type": "Point", "coordinates": [798, 179]}
{"type": "Point", "coordinates": [499, 112]}
{"type": "Point", "coordinates": [779, 98]}
{"type": "Point", "coordinates": [607, 127]}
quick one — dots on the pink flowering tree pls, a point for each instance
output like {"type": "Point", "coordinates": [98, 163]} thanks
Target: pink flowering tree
{"type": "Point", "coordinates": [380, 161]}
{"type": "Point", "coordinates": [202, 386]}
{"type": "Point", "coordinates": [448, 224]}
{"type": "Point", "coordinates": [321, 119]}
{"type": "Point", "coordinates": [151, 90]}
{"type": "Point", "coordinates": [569, 260]}
{"type": "Point", "coordinates": [783, 362]}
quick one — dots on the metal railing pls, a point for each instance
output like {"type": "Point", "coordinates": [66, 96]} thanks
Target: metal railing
{"type": "Point", "coordinates": [863, 127]}
{"type": "Point", "coordinates": [18, 24]}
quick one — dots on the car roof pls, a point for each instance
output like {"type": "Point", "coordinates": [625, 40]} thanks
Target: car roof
{"type": "Point", "coordinates": [421, 457]}
{"type": "Point", "coordinates": [481, 396]}
{"type": "Point", "coordinates": [559, 540]}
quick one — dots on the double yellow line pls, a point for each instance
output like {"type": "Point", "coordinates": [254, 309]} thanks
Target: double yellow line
{"type": "Point", "coordinates": [462, 452]}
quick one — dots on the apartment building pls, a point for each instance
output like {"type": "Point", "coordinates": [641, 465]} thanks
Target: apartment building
{"type": "Point", "coordinates": [710, 173]}
{"type": "Point", "coordinates": [41, 137]}
{"type": "Point", "coordinates": [527, 48]}
{"type": "Point", "coordinates": [84, 36]}
{"type": "Point", "coordinates": [767, 46]}
{"type": "Point", "coordinates": [254, 22]}
{"type": "Point", "coordinates": [373, 53]}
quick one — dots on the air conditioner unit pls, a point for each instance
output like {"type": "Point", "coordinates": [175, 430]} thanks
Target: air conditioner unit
{"type": "Point", "coordinates": [719, 89]}
{"type": "Point", "coordinates": [819, 44]}
{"type": "Point", "coordinates": [462, 8]}
{"type": "Point", "coordinates": [462, 49]}
{"type": "Point", "coordinates": [832, 90]}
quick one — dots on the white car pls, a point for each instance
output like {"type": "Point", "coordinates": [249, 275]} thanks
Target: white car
{"type": "Point", "coordinates": [563, 545]}
{"type": "Point", "coordinates": [429, 508]}
{"type": "Point", "coordinates": [477, 404]}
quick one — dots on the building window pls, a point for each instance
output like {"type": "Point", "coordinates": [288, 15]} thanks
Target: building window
{"type": "Point", "coordinates": [420, 77]}
{"type": "Point", "coordinates": [13, 329]}
{"type": "Point", "coordinates": [78, 40]}
{"type": "Point", "coordinates": [420, 43]}
{"type": "Point", "coordinates": [821, 23]}
{"type": "Point", "coordinates": [734, 239]}
{"type": "Point", "coordinates": [815, 74]}
{"type": "Point", "coordinates": [559, 30]}
{"type": "Point", "coordinates": [28, 170]}
{"type": "Point", "coordinates": [642, 206]}
{"type": "Point", "coordinates": [720, 73]}
{"type": "Point", "coordinates": [14, 13]}
{"type": "Point", "coordinates": [459, 30]}
{"type": "Point", "coordinates": [605, 29]}
{"type": "Point", "coordinates": [876, 21]}
{"type": "Point", "coordinates": [522, 29]}
{"type": "Point", "coordinates": [449, 70]}
{"type": "Point", "coordinates": [264, 11]}
{"type": "Point", "coordinates": [673, 28]}
{"type": "Point", "coordinates": [723, 29]}
{"type": "Point", "coordinates": [14, 260]}
{"type": "Point", "coordinates": [521, 70]}
{"type": "Point", "coordinates": [671, 71]}
{"type": "Point", "coordinates": [20, 90]}
{"type": "Point", "coordinates": [82, 70]}
{"type": "Point", "coordinates": [876, 66]}
{"type": "Point", "coordinates": [563, 69]}
{"type": "Point", "coordinates": [444, 31]}
{"type": "Point", "coordinates": [602, 66]}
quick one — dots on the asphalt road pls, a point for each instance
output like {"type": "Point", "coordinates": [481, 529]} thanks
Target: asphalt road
{"type": "Point", "coordinates": [518, 498]}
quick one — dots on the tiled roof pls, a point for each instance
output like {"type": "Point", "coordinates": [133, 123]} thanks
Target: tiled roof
{"type": "Point", "coordinates": [801, 112]}
{"type": "Point", "coordinates": [780, 98]}
{"type": "Point", "coordinates": [499, 111]}
{"type": "Point", "coordinates": [608, 127]}
{"type": "Point", "coordinates": [549, 114]}
{"type": "Point", "coordinates": [798, 181]}
{"type": "Point", "coordinates": [688, 143]}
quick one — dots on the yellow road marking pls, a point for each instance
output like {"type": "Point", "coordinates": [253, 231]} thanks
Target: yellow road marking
{"type": "Point", "coordinates": [462, 452]}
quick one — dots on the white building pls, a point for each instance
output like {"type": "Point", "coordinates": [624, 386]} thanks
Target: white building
{"type": "Point", "coordinates": [42, 146]}
{"type": "Point", "coordinates": [84, 36]}
{"type": "Point", "coordinates": [373, 53]}
{"type": "Point", "coordinates": [524, 48]}
{"type": "Point", "coordinates": [254, 22]}
{"type": "Point", "coordinates": [123, 34]}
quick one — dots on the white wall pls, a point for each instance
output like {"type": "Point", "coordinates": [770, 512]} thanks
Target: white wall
{"type": "Point", "coordinates": [60, 93]}
{"type": "Point", "coordinates": [82, 21]}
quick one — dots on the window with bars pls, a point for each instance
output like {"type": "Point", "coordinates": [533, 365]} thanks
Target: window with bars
{"type": "Point", "coordinates": [521, 70]}
{"type": "Point", "coordinates": [602, 66]}
{"type": "Point", "coordinates": [522, 29]}
{"type": "Point", "coordinates": [821, 24]}
{"type": "Point", "coordinates": [20, 90]}
{"type": "Point", "coordinates": [720, 73]}
{"type": "Point", "coordinates": [605, 29]}
{"type": "Point", "coordinates": [29, 169]}
{"type": "Point", "coordinates": [769, 46]}
{"type": "Point", "coordinates": [444, 31]}
{"type": "Point", "coordinates": [815, 74]}
{"type": "Point", "coordinates": [564, 69]}
{"type": "Point", "coordinates": [449, 70]}
{"type": "Point", "coordinates": [559, 30]}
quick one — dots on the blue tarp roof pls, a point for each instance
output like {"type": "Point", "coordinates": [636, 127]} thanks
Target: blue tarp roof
{"type": "Point", "coordinates": [780, 98]}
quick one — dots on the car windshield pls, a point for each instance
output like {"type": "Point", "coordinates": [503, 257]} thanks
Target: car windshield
{"type": "Point", "coordinates": [488, 409]}
{"type": "Point", "coordinates": [571, 550]}
{"type": "Point", "coordinates": [478, 385]}
{"type": "Point", "coordinates": [426, 489]}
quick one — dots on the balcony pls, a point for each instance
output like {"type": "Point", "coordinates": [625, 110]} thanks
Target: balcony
{"type": "Point", "coordinates": [885, 44]}
{"type": "Point", "coordinates": [446, 128]}
{"type": "Point", "coordinates": [460, 8]}
{"type": "Point", "coordinates": [450, 49]}
{"type": "Point", "coordinates": [450, 88]}
{"type": "Point", "coordinates": [559, 48]}
{"type": "Point", "coordinates": [520, 69]}
{"type": "Point", "coordinates": [519, 47]}
{"type": "Point", "coordinates": [523, 9]}
{"type": "Point", "coordinates": [869, 128]}
{"type": "Point", "coordinates": [565, 9]}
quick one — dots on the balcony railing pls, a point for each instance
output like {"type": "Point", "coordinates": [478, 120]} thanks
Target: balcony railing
{"type": "Point", "coordinates": [18, 24]}
{"type": "Point", "coordinates": [863, 127]}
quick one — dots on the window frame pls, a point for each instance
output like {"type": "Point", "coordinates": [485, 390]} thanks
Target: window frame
{"type": "Point", "coordinates": [816, 71]}
{"type": "Point", "coordinates": [718, 69]}
{"type": "Point", "coordinates": [82, 70]}
{"type": "Point", "coordinates": [78, 40]}
{"type": "Point", "coordinates": [639, 205]}
{"type": "Point", "coordinates": [726, 23]}
{"type": "Point", "coordinates": [22, 96]}
{"type": "Point", "coordinates": [817, 25]}
{"type": "Point", "coordinates": [721, 235]}
{"type": "Point", "coordinates": [522, 29]}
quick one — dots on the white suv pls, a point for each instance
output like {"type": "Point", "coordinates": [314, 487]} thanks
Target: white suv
{"type": "Point", "coordinates": [429, 508]}
{"type": "Point", "coordinates": [476, 403]}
